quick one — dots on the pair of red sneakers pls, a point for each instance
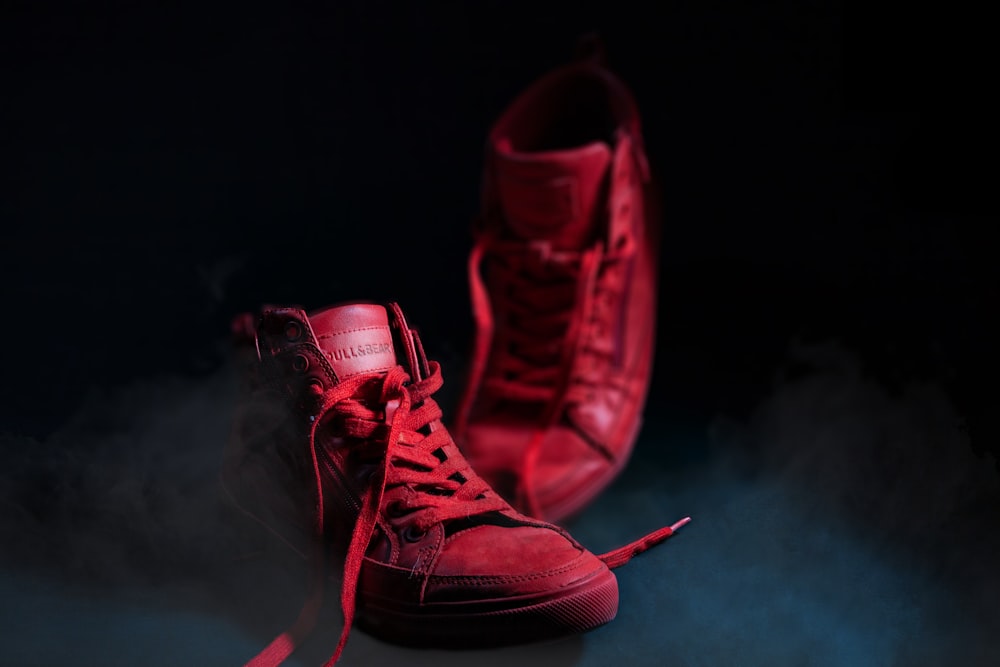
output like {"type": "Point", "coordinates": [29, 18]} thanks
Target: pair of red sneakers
{"type": "Point", "coordinates": [448, 538]}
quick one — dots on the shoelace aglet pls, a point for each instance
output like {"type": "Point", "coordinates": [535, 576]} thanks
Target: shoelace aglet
{"type": "Point", "coordinates": [624, 554]}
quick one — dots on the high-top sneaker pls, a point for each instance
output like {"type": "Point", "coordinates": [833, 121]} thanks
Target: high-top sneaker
{"type": "Point", "coordinates": [563, 285]}
{"type": "Point", "coordinates": [339, 451]}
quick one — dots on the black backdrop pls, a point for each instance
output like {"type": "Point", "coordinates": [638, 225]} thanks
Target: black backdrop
{"type": "Point", "coordinates": [826, 172]}
{"type": "Point", "coordinates": [829, 173]}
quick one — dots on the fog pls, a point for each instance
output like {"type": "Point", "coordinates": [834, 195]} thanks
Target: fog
{"type": "Point", "coordinates": [840, 523]}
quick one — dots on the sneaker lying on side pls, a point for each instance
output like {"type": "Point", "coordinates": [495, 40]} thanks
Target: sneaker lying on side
{"type": "Point", "coordinates": [338, 450]}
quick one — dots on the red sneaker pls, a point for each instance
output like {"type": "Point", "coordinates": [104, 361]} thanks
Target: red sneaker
{"type": "Point", "coordinates": [563, 282]}
{"type": "Point", "coordinates": [338, 449]}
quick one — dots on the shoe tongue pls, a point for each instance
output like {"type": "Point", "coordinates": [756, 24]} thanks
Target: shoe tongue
{"type": "Point", "coordinates": [355, 338]}
{"type": "Point", "coordinates": [552, 195]}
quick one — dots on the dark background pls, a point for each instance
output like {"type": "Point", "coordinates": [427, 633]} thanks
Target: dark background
{"type": "Point", "coordinates": [829, 174]}
{"type": "Point", "coordinates": [826, 170]}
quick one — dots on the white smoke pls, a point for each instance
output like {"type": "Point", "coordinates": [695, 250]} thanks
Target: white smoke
{"type": "Point", "coordinates": [841, 523]}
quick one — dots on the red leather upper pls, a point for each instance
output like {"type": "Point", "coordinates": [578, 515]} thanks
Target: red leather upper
{"type": "Point", "coordinates": [564, 293]}
{"type": "Point", "coordinates": [485, 552]}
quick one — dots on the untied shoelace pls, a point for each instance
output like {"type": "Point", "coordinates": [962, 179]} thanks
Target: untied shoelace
{"type": "Point", "coordinates": [408, 459]}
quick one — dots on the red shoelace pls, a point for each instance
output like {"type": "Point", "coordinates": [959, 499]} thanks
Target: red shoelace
{"type": "Point", "coordinates": [401, 421]}
{"type": "Point", "coordinates": [558, 308]}
{"type": "Point", "coordinates": [363, 406]}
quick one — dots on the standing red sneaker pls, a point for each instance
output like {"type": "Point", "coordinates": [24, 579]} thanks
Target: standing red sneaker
{"type": "Point", "coordinates": [563, 282]}
{"type": "Point", "coordinates": [339, 451]}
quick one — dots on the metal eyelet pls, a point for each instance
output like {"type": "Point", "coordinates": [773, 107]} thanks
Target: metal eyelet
{"type": "Point", "coordinates": [300, 363]}
{"type": "Point", "coordinates": [293, 331]}
{"type": "Point", "coordinates": [413, 534]}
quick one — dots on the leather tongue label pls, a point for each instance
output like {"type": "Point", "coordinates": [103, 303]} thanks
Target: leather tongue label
{"type": "Point", "coordinates": [355, 339]}
{"type": "Point", "coordinates": [542, 203]}
{"type": "Point", "coordinates": [553, 195]}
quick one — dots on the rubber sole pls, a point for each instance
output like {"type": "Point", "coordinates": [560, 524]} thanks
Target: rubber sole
{"type": "Point", "coordinates": [580, 607]}
{"type": "Point", "coordinates": [586, 605]}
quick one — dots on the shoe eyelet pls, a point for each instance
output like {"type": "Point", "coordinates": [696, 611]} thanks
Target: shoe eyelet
{"type": "Point", "coordinates": [413, 534]}
{"type": "Point", "coordinates": [316, 387]}
{"type": "Point", "coordinates": [300, 363]}
{"type": "Point", "coordinates": [293, 331]}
